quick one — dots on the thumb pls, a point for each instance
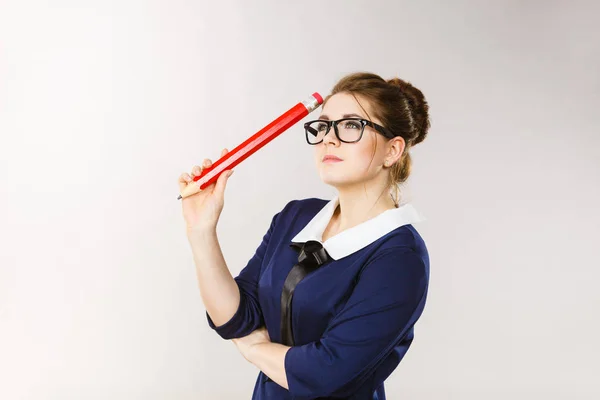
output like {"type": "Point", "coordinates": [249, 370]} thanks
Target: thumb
{"type": "Point", "coordinates": [222, 181]}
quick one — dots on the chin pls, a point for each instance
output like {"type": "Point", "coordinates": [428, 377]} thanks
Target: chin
{"type": "Point", "coordinates": [334, 179]}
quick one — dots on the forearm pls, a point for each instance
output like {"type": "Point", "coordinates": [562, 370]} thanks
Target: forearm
{"type": "Point", "coordinates": [218, 289]}
{"type": "Point", "coordinates": [270, 359]}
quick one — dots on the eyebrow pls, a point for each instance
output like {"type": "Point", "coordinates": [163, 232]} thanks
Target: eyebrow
{"type": "Point", "coordinates": [343, 116]}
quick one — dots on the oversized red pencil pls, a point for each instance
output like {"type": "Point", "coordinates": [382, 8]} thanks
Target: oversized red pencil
{"type": "Point", "coordinates": [252, 144]}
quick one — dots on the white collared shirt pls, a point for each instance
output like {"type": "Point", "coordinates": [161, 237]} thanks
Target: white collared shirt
{"type": "Point", "coordinates": [359, 236]}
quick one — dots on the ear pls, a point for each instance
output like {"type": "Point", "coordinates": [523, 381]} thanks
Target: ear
{"type": "Point", "coordinates": [395, 149]}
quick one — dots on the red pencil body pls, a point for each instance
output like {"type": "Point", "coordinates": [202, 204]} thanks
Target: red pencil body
{"type": "Point", "coordinates": [258, 140]}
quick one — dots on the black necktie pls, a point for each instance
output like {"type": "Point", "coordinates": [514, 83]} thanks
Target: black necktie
{"type": "Point", "coordinates": [312, 256]}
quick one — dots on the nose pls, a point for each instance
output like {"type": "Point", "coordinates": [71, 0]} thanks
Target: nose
{"type": "Point", "coordinates": [330, 137]}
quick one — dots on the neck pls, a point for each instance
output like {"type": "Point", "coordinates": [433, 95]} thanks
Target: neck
{"type": "Point", "coordinates": [357, 205]}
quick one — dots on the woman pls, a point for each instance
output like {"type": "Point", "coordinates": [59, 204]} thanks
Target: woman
{"type": "Point", "coordinates": [351, 316]}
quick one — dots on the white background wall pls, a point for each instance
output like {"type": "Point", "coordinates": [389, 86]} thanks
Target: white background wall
{"type": "Point", "coordinates": [104, 103]}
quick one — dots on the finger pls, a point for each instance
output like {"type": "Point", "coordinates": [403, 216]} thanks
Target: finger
{"type": "Point", "coordinates": [196, 170]}
{"type": "Point", "coordinates": [222, 182]}
{"type": "Point", "coordinates": [184, 179]}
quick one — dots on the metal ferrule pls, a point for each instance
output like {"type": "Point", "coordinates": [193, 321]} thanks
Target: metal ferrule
{"type": "Point", "coordinates": [311, 103]}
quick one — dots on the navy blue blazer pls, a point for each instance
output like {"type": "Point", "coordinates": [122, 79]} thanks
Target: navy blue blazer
{"type": "Point", "coordinates": [352, 318]}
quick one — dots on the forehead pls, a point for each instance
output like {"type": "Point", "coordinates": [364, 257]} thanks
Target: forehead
{"type": "Point", "coordinates": [344, 103]}
{"type": "Point", "coordinates": [341, 104]}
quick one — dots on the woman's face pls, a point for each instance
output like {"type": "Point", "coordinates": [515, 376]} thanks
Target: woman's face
{"type": "Point", "coordinates": [356, 165]}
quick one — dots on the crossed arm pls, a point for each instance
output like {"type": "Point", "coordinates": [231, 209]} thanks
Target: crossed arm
{"type": "Point", "coordinates": [385, 303]}
{"type": "Point", "coordinates": [266, 356]}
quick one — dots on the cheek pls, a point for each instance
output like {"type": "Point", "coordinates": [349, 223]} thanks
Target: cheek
{"type": "Point", "coordinates": [363, 157]}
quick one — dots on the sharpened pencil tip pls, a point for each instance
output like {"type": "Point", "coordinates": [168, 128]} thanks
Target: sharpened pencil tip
{"type": "Point", "coordinates": [179, 197]}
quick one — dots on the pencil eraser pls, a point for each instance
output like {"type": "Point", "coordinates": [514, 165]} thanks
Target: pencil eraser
{"type": "Point", "coordinates": [318, 97]}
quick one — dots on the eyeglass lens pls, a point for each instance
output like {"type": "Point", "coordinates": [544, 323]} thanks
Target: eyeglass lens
{"type": "Point", "coordinates": [349, 130]}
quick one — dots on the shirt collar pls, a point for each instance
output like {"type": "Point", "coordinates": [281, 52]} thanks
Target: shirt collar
{"type": "Point", "coordinates": [359, 236]}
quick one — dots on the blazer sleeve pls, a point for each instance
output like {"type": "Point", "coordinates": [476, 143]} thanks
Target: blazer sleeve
{"type": "Point", "coordinates": [385, 303]}
{"type": "Point", "coordinates": [248, 316]}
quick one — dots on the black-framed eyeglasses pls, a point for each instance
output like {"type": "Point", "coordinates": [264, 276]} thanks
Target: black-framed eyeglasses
{"type": "Point", "coordinates": [347, 130]}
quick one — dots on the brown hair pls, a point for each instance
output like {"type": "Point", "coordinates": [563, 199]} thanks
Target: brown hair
{"type": "Point", "coordinates": [400, 107]}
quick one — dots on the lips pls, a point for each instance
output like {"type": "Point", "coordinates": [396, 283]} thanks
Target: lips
{"type": "Point", "coordinates": [331, 158]}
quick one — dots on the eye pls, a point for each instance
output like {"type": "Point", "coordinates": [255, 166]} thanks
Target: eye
{"type": "Point", "coordinates": [352, 125]}
{"type": "Point", "coordinates": [321, 126]}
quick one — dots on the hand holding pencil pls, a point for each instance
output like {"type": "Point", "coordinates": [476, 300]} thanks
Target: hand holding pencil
{"type": "Point", "coordinates": [203, 191]}
{"type": "Point", "coordinates": [202, 210]}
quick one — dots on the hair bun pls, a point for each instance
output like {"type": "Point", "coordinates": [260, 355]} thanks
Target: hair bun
{"type": "Point", "coordinates": [417, 107]}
